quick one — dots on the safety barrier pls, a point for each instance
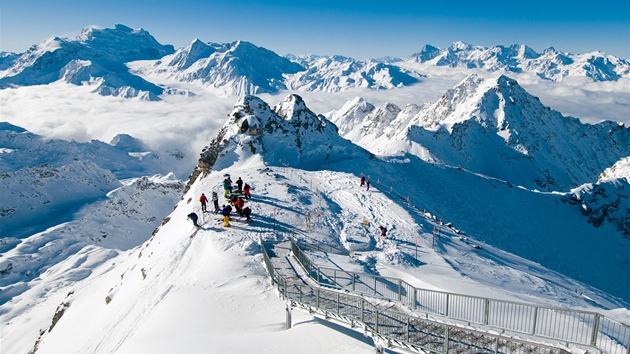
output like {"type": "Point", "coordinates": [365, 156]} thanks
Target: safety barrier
{"type": "Point", "coordinates": [398, 329]}
{"type": "Point", "coordinates": [572, 326]}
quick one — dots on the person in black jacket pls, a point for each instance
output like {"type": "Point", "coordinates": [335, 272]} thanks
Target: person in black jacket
{"type": "Point", "coordinates": [193, 217]}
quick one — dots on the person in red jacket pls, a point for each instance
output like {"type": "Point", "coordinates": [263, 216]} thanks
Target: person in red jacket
{"type": "Point", "coordinates": [246, 191]}
{"type": "Point", "coordinates": [239, 204]}
{"type": "Point", "coordinates": [203, 200]}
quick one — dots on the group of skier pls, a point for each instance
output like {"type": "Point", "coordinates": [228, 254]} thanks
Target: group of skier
{"type": "Point", "coordinates": [236, 197]}
{"type": "Point", "coordinates": [228, 189]}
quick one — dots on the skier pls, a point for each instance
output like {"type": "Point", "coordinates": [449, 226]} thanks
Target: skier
{"type": "Point", "coordinates": [246, 191]}
{"type": "Point", "coordinates": [362, 181]}
{"type": "Point", "coordinates": [246, 213]}
{"type": "Point", "coordinates": [215, 200]}
{"type": "Point", "coordinates": [203, 200]}
{"type": "Point", "coordinates": [193, 217]}
{"type": "Point", "coordinates": [239, 185]}
{"type": "Point", "coordinates": [383, 231]}
{"type": "Point", "coordinates": [368, 185]}
{"type": "Point", "coordinates": [227, 187]}
{"type": "Point", "coordinates": [226, 215]}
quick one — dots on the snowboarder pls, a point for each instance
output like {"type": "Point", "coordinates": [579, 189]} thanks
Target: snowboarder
{"type": "Point", "coordinates": [246, 213]}
{"type": "Point", "coordinates": [226, 215]}
{"type": "Point", "coordinates": [203, 200]}
{"type": "Point", "coordinates": [362, 181]}
{"type": "Point", "coordinates": [383, 231]}
{"type": "Point", "coordinates": [215, 200]}
{"type": "Point", "coordinates": [246, 191]}
{"type": "Point", "coordinates": [193, 217]}
{"type": "Point", "coordinates": [239, 185]}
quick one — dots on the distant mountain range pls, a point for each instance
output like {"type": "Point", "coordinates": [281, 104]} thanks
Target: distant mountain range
{"type": "Point", "coordinates": [99, 57]}
{"type": "Point", "coordinates": [550, 64]}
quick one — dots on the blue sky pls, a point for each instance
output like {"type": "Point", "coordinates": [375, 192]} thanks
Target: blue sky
{"type": "Point", "coordinates": [359, 29]}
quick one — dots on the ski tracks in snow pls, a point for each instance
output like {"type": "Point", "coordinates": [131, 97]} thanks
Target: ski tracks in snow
{"type": "Point", "coordinates": [364, 211]}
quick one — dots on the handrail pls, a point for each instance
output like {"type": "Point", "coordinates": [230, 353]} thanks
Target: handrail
{"type": "Point", "coordinates": [315, 243]}
{"type": "Point", "coordinates": [573, 326]}
{"type": "Point", "coordinates": [398, 329]}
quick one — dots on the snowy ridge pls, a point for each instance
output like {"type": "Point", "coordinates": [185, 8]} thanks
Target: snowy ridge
{"type": "Point", "coordinates": [605, 202]}
{"type": "Point", "coordinates": [621, 169]}
{"type": "Point", "coordinates": [279, 145]}
{"type": "Point", "coordinates": [493, 127]}
{"type": "Point", "coordinates": [62, 215]}
{"type": "Point", "coordinates": [47, 191]}
{"type": "Point", "coordinates": [103, 225]}
{"type": "Point", "coordinates": [7, 59]}
{"type": "Point", "coordinates": [550, 64]}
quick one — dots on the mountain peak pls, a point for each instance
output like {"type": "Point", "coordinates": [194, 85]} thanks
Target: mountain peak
{"type": "Point", "coordinates": [293, 107]}
{"type": "Point", "coordinates": [459, 45]}
{"type": "Point", "coordinates": [289, 134]}
{"type": "Point", "coordinates": [124, 42]}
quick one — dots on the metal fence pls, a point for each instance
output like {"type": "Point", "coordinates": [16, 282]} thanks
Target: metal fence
{"type": "Point", "coordinates": [399, 329]}
{"type": "Point", "coordinates": [577, 327]}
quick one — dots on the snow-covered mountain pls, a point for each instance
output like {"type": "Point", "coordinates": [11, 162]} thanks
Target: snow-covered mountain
{"type": "Point", "coordinates": [124, 156]}
{"type": "Point", "coordinates": [7, 59]}
{"type": "Point", "coordinates": [550, 64]}
{"type": "Point", "coordinates": [45, 181]}
{"type": "Point", "coordinates": [621, 169]}
{"type": "Point", "coordinates": [337, 73]}
{"type": "Point", "coordinates": [65, 202]}
{"type": "Point", "coordinates": [188, 289]}
{"type": "Point", "coordinates": [497, 205]}
{"type": "Point", "coordinates": [44, 192]}
{"type": "Point", "coordinates": [288, 134]}
{"type": "Point", "coordinates": [96, 56]}
{"type": "Point", "coordinates": [234, 69]}
{"type": "Point", "coordinates": [492, 127]}
{"type": "Point", "coordinates": [79, 213]}
{"type": "Point", "coordinates": [241, 68]}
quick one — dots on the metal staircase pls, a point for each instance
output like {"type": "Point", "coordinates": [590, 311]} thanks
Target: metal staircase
{"type": "Point", "coordinates": [388, 318]}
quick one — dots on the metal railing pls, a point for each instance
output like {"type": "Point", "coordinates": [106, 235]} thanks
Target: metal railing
{"type": "Point", "coordinates": [399, 329]}
{"type": "Point", "coordinates": [572, 326]}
